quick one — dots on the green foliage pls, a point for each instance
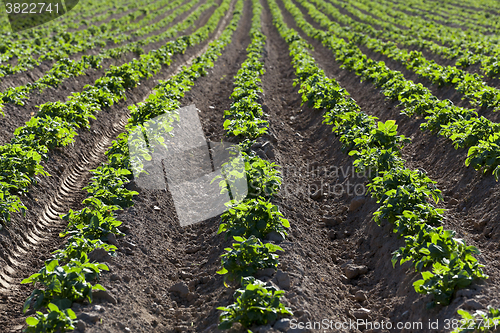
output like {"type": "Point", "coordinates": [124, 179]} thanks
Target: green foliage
{"type": "Point", "coordinates": [64, 284]}
{"type": "Point", "coordinates": [62, 44]}
{"type": "Point", "coordinates": [255, 217]}
{"type": "Point", "coordinates": [460, 125]}
{"type": "Point", "coordinates": [247, 257]}
{"type": "Point", "coordinates": [55, 320]}
{"type": "Point", "coordinates": [480, 321]}
{"type": "Point", "coordinates": [486, 155]}
{"type": "Point", "coordinates": [404, 195]}
{"type": "Point", "coordinates": [9, 203]}
{"type": "Point", "coordinates": [107, 185]}
{"type": "Point", "coordinates": [95, 221]}
{"type": "Point", "coordinates": [55, 124]}
{"type": "Point", "coordinates": [77, 245]}
{"type": "Point", "coordinates": [255, 304]}
{"type": "Point", "coordinates": [244, 118]}
{"type": "Point", "coordinates": [19, 165]}
{"type": "Point", "coordinates": [91, 226]}
{"type": "Point", "coordinates": [45, 133]}
{"type": "Point", "coordinates": [446, 278]}
{"type": "Point", "coordinates": [72, 112]}
{"type": "Point", "coordinates": [263, 179]}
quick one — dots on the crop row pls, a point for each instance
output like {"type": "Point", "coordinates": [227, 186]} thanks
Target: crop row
{"type": "Point", "coordinates": [404, 195]}
{"type": "Point", "coordinates": [486, 5]}
{"type": "Point", "coordinates": [68, 43]}
{"type": "Point", "coordinates": [457, 26]}
{"type": "Point", "coordinates": [470, 85]}
{"type": "Point", "coordinates": [465, 55]}
{"type": "Point", "coordinates": [250, 221]}
{"type": "Point", "coordinates": [66, 68]}
{"type": "Point", "coordinates": [12, 47]}
{"type": "Point", "coordinates": [462, 126]}
{"type": "Point", "coordinates": [97, 10]}
{"type": "Point", "coordinates": [69, 277]}
{"type": "Point", "coordinates": [446, 35]}
{"type": "Point", "coordinates": [441, 12]}
{"type": "Point", "coordinates": [479, 321]}
{"type": "Point", "coordinates": [56, 123]}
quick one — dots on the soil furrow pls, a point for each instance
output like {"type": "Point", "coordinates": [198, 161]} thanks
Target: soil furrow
{"type": "Point", "coordinates": [50, 190]}
{"type": "Point", "coordinates": [393, 294]}
{"type": "Point", "coordinates": [164, 253]}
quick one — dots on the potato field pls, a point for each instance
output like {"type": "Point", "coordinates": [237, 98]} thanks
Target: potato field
{"type": "Point", "coordinates": [250, 166]}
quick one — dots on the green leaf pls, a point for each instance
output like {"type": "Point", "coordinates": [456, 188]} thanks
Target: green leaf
{"type": "Point", "coordinates": [53, 307]}
{"type": "Point", "coordinates": [52, 265]}
{"type": "Point", "coordinates": [31, 321]}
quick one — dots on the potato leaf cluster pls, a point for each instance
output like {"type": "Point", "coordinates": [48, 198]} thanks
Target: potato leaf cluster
{"type": "Point", "coordinates": [248, 256]}
{"type": "Point", "coordinates": [255, 303]}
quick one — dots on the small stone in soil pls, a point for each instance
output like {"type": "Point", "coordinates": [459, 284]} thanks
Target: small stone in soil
{"type": "Point", "coordinates": [112, 239]}
{"type": "Point", "coordinates": [186, 275]}
{"type": "Point", "coordinates": [81, 326]}
{"type": "Point", "coordinates": [90, 317]}
{"type": "Point", "coordinates": [352, 271]}
{"type": "Point", "coordinates": [317, 195]}
{"type": "Point", "coordinates": [99, 255]}
{"type": "Point", "coordinates": [115, 277]}
{"type": "Point", "coordinates": [361, 313]}
{"type": "Point", "coordinates": [193, 249]}
{"type": "Point", "coordinates": [283, 280]}
{"type": "Point", "coordinates": [265, 272]}
{"type": "Point", "coordinates": [472, 304]}
{"type": "Point", "coordinates": [180, 288]}
{"type": "Point", "coordinates": [282, 324]}
{"type": "Point", "coordinates": [360, 296]}
{"type": "Point", "coordinates": [104, 295]}
{"type": "Point", "coordinates": [274, 236]}
{"type": "Point", "coordinates": [331, 220]}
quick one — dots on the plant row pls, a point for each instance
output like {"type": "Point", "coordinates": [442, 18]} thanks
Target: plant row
{"type": "Point", "coordinates": [97, 10]}
{"type": "Point", "coordinates": [464, 56]}
{"type": "Point", "coordinates": [404, 195]}
{"type": "Point", "coordinates": [446, 35]}
{"type": "Point", "coordinates": [92, 13]}
{"type": "Point", "coordinates": [65, 44]}
{"type": "Point", "coordinates": [486, 5]}
{"type": "Point", "coordinates": [250, 221]}
{"type": "Point", "coordinates": [475, 20]}
{"type": "Point", "coordinates": [479, 321]}
{"type": "Point", "coordinates": [40, 38]}
{"type": "Point", "coordinates": [56, 123]}
{"type": "Point", "coordinates": [470, 85]}
{"type": "Point", "coordinates": [462, 126]}
{"type": "Point", "coordinates": [66, 68]}
{"type": "Point", "coordinates": [70, 276]}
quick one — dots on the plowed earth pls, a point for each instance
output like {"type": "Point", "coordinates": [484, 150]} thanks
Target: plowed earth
{"type": "Point", "coordinates": [157, 253]}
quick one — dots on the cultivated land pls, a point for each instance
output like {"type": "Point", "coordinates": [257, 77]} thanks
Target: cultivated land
{"type": "Point", "coordinates": [371, 142]}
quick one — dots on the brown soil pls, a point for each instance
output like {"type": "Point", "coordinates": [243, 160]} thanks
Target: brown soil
{"type": "Point", "coordinates": [23, 234]}
{"type": "Point", "coordinates": [157, 252]}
